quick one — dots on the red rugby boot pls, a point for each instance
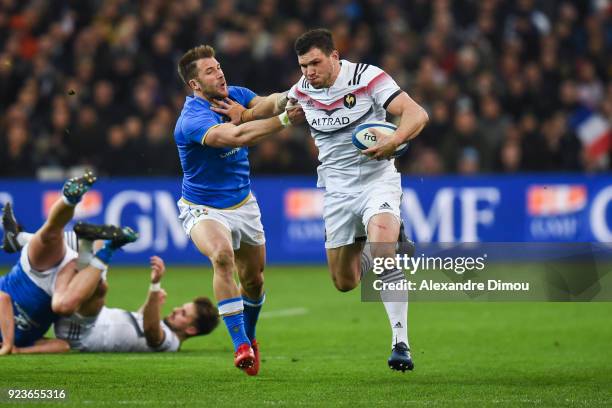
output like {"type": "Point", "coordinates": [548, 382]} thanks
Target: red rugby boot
{"type": "Point", "coordinates": [244, 357]}
{"type": "Point", "coordinates": [254, 369]}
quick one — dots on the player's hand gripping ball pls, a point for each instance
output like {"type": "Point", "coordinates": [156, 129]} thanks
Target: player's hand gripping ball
{"type": "Point", "coordinates": [364, 138]}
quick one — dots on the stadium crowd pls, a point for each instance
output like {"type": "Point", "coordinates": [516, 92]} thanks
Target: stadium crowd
{"type": "Point", "coordinates": [87, 82]}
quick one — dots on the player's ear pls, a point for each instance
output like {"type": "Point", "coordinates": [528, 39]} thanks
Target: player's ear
{"type": "Point", "coordinates": [193, 84]}
{"type": "Point", "coordinates": [335, 55]}
{"type": "Point", "coordinates": [191, 331]}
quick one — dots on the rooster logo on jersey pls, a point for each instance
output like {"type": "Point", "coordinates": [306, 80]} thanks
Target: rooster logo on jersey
{"type": "Point", "coordinates": [350, 100]}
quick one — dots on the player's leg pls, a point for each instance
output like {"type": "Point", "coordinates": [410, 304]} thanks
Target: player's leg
{"type": "Point", "coordinates": [15, 237]}
{"type": "Point", "coordinates": [250, 262]}
{"type": "Point", "coordinates": [76, 327]}
{"type": "Point", "coordinates": [344, 239]}
{"type": "Point", "coordinates": [346, 265]}
{"type": "Point", "coordinates": [88, 242]}
{"type": "Point", "coordinates": [213, 240]}
{"type": "Point", "coordinates": [84, 247]}
{"type": "Point", "coordinates": [383, 231]}
{"type": "Point", "coordinates": [46, 247]}
{"type": "Point", "coordinates": [250, 253]}
{"type": "Point", "coordinates": [72, 289]}
{"type": "Point", "coordinates": [92, 306]}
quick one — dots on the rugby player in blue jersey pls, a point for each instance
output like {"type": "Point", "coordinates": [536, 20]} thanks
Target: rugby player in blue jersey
{"type": "Point", "coordinates": [217, 209]}
{"type": "Point", "coordinates": [44, 283]}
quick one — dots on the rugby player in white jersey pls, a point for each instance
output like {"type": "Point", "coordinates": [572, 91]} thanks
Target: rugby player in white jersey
{"type": "Point", "coordinates": [97, 328]}
{"type": "Point", "coordinates": [363, 189]}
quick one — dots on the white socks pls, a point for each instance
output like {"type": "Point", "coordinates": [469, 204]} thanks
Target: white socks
{"type": "Point", "coordinates": [395, 302]}
{"type": "Point", "coordinates": [24, 237]}
{"type": "Point", "coordinates": [85, 253]}
{"type": "Point", "coordinates": [396, 305]}
{"type": "Point", "coordinates": [398, 315]}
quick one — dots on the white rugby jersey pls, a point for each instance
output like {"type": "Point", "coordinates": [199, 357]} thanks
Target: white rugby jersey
{"type": "Point", "coordinates": [113, 330]}
{"type": "Point", "coordinates": [361, 93]}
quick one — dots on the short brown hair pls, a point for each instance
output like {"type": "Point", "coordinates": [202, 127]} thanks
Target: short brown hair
{"type": "Point", "coordinates": [207, 315]}
{"type": "Point", "coordinates": [320, 38]}
{"type": "Point", "coordinates": [187, 66]}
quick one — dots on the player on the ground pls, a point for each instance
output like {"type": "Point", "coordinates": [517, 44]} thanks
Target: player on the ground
{"type": "Point", "coordinates": [217, 209]}
{"type": "Point", "coordinates": [97, 328]}
{"type": "Point", "coordinates": [362, 196]}
{"type": "Point", "coordinates": [44, 283]}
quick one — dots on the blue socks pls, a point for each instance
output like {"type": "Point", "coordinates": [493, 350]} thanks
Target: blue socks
{"type": "Point", "coordinates": [251, 314]}
{"type": "Point", "coordinates": [234, 322]}
{"type": "Point", "coordinates": [235, 327]}
{"type": "Point", "coordinates": [106, 252]}
{"type": "Point", "coordinates": [241, 325]}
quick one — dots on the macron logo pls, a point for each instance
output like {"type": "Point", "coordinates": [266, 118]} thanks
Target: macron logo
{"type": "Point", "coordinates": [230, 153]}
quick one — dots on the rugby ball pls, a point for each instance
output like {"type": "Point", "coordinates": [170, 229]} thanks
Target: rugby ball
{"type": "Point", "coordinates": [363, 138]}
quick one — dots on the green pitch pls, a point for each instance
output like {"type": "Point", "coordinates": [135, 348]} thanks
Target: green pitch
{"type": "Point", "coordinates": [321, 347]}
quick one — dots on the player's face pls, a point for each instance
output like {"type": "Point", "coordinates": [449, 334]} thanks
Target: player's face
{"type": "Point", "coordinates": [182, 317]}
{"type": "Point", "coordinates": [319, 69]}
{"type": "Point", "coordinates": [210, 80]}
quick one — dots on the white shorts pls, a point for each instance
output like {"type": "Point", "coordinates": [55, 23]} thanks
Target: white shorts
{"type": "Point", "coordinates": [347, 215]}
{"type": "Point", "coordinates": [243, 223]}
{"type": "Point", "coordinates": [45, 279]}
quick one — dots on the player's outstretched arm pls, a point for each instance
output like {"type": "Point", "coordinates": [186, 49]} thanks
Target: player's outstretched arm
{"type": "Point", "coordinates": [151, 311]}
{"type": "Point", "coordinates": [413, 119]}
{"type": "Point", "coordinates": [47, 346]}
{"type": "Point", "coordinates": [260, 107]}
{"type": "Point", "coordinates": [246, 134]}
{"type": "Point", "coordinates": [7, 323]}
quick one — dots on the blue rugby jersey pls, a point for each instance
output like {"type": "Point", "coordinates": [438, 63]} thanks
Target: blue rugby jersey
{"type": "Point", "coordinates": [216, 177]}
{"type": "Point", "coordinates": [31, 306]}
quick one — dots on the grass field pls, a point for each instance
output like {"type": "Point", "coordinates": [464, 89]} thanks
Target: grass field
{"type": "Point", "coordinates": [325, 348]}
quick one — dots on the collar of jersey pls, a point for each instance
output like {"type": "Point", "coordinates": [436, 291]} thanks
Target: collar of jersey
{"type": "Point", "coordinates": [200, 99]}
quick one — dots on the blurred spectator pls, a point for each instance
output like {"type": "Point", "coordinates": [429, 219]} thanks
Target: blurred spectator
{"type": "Point", "coordinates": [95, 83]}
{"type": "Point", "coordinates": [160, 157]}
{"type": "Point", "coordinates": [120, 158]}
{"type": "Point", "coordinates": [87, 137]}
{"type": "Point", "coordinates": [16, 153]}
{"type": "Point", "coordinates": [510, 157]}
{"type": "Point", "coordinates": [469, 161]}
{"type": "Point", "coordinates": [492, 122]}
{"type": "Point", "coordinates": [466, 150]}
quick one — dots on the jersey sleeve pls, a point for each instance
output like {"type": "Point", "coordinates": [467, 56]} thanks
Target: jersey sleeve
{"type": "Point", "coordinates": [171, 342]}
{"type": "Point", "coordinates": [382, 87]}
{"type": "Point", "coordinates": [293, 92]}
{"type": "Point", "coordinates": [196, 127]}
{"type": "Point", "coordinates": [244, 96]}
